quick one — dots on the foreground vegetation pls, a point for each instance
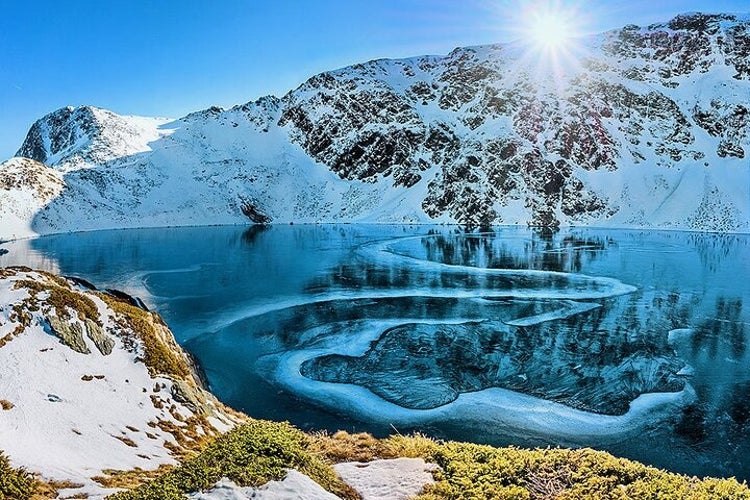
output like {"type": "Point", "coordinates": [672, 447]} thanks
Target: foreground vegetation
{"type": "Point", "coordinates": [482, 472]}
{"type": "Point", "coordinates": [15, 484]}
{"type": "Point", "coordinates": [250, 455]}
{"type": "Point", "coordinates": [260, 451]}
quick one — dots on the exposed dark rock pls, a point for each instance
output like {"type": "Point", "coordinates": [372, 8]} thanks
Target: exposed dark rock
{"type": "Point", "coordinates": [83, 283]}
{"type": "Point", "coordinates": [250, 211]}
{"type": "Point", "coordinates": [127, 298]}
{"type": "Point", "coordinates": [58, 132]}
{"type": "Point", "coordinates": [699, 21]}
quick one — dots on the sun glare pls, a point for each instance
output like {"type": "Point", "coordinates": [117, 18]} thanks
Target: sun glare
{"type": "Point", "coordinates": [551, 26]}
{"type": "Point", "coordinates": [550, 30]}
{"type": "Point", "coordinates": [550, 33]}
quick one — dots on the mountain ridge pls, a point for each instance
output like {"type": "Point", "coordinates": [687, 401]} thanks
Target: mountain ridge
{"type": "Point", "coordinates": [645, 127]}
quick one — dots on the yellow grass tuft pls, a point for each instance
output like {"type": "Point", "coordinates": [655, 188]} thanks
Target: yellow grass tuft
{"type": "Point", "coordinates": [129, 479]}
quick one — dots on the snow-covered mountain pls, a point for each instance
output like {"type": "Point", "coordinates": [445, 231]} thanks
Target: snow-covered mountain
{"type": "Point", "coordinates": [636, 127]}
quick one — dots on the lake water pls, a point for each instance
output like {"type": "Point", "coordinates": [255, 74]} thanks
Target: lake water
{"type": "Point", "coordinates": [630, 341]}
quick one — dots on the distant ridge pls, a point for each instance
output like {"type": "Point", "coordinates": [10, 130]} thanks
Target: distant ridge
{"type": "Point", "coordinates": [648, 127]}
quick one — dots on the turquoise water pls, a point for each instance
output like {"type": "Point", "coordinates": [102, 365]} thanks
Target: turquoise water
{"type": "Point", "coordinates": [629, 341]}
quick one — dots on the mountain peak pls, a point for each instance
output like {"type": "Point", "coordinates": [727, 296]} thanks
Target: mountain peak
{"type": "Point", "coordinates": [56, 132]}
{"type": "Point", "coordinates": [72, 136]}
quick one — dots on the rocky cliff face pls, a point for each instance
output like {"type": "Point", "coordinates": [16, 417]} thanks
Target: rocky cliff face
{"type": "Point", "coordinates": [495, 127]}
{"type": "Point", "coordinates": [641, 126]}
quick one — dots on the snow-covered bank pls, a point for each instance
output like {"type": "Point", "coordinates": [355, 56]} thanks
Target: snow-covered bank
{"type": "Point", "coordinates": [393, 479]}
{"type": "Point", "coordinates": [94, 384]}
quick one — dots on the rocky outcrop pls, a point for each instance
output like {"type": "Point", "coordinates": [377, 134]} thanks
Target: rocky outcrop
{"type": "Point", "coordinates": [71, 334]}
{"type": "Point", "coordinates": [24, 174]}
{"type": "Point", "coordinates": [108, 390]}
{"type": "Point", "coordinates": [103, 342]}
{"type": "Point", "coordinates": [86, 135]}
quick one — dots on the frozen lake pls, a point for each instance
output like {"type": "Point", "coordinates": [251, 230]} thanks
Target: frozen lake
{"type": "Point", "coordinates": [630, 341]}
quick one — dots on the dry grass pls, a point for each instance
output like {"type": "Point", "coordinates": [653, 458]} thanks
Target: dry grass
{"type": "Point", "coordinates": [127, 441]}
{"type": "Point", "coordinates": [191, 436]}
{"type": "Point", "coordinates": [6, 405]}
{"type": "Point", "coordinates": [8, 272]}
{"type": "Point", "coordinates": [157, 402]}
{"type": "Point", "coordinates": [129, 479]}
{"type": "Point", "coordinates": [238, 416]}
{"type": "Point", "coordinates": [345, 447]}
{"type": "Point", "coordinates": [61, 301]}
{"type": "Point", "coordinates": [5, 339]}
{"type": "Point", "coordinates": [51, 489]}
{"type": "Point", "coordinates": [19, 314]}
{"type": "Point", "coordinates": [363, 447]}
{"type": "Point", "coordinates": [62, 298]}
{"type": "Point", "coordinates": [162, 355]}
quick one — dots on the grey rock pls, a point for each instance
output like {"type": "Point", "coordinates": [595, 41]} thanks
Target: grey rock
{"type": "Point", "coordinates": [103, 341]}
{"type": "Point", "coordinates": [71, 334]}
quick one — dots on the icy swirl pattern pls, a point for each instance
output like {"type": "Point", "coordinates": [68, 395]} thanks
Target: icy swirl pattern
{"type": "Point", "coordinates": [412, 324]}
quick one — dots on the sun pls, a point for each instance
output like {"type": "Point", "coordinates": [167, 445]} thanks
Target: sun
{"type": "Point", "coordinates": [551, 27]}
{"type": "Point", "coordinates": [550, 31]}
{"type": "Point", "coordinates": [550, 39]}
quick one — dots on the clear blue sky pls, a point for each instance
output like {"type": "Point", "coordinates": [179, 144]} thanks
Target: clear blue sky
{"type": "Point", "coordinates": [167, 57]}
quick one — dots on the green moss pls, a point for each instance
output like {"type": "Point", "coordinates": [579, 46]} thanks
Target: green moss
{"type": "Point", "coordinates": [15, 484]}
{"type": "Point", "coordinates": [478, 472]}
{"type": "Point", "coordinates": [260, 451]}
{"type": "Point", "coordinates": [249, 455]}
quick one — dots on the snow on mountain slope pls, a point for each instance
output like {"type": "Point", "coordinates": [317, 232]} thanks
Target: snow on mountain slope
{"type": "Point", "coordinates": [644, 127]}
{"type": "Point", "coordinates": [26, 186]}
{"type": "Point", "coordinates": [72, 138]}
{"type": "Point", "coordinates": [92, 383]}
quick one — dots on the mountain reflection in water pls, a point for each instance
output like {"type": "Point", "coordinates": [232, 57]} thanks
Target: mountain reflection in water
{"type": "Point", "coordinates": [412, 326]}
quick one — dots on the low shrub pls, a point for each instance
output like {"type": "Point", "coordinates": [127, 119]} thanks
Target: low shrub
{"type": "Point", "coordinates": [249, 455]}
{"type": "Point", "coordinates": [477, 472]}
{"type": "Point", "coordinates": [15, 484]}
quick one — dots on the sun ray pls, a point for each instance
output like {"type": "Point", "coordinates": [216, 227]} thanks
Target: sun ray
{"type": "Point", "coordinates": [550, 31]}
{"type": "Point", "coordinates": [548, 42]}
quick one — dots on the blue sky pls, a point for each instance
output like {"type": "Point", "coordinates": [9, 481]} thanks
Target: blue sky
{"type": "Point", "coordinates": [167, 58]}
